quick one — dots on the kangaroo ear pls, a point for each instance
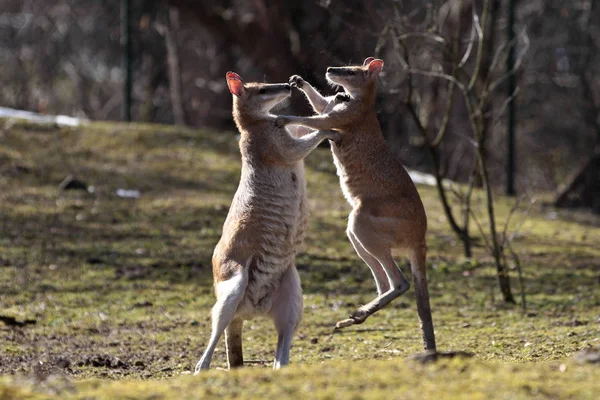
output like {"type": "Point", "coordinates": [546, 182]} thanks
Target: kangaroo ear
{"type": "Point", "coordinates": [368, 61]}
{"type": "Point", "coordinates": [235, 83]}
{"type": "Point", "coordinates": [375, 67]}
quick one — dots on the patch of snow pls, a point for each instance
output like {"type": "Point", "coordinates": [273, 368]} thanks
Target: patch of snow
{"type": "Point", "coordinates": [421, 178]}
{"type": "Point", "coordinates": [128, 193]}
{"type": "Point", "coordinates": [61, 120]}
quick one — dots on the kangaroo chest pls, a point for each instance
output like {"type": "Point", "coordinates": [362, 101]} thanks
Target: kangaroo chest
{"type": "Point", "coordinates": [351, 170]}
{"type": "Point", "coordinates": [275, 209]}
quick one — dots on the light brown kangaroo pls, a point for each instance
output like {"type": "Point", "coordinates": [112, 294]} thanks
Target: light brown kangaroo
{"type": "Point", "coordinates": [254, 261]}
{"type": "Point", "coordinates": [387, 209]}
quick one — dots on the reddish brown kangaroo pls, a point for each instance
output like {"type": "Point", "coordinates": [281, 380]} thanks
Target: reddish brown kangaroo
{"type": "Point", "coordinates": [387, 210]}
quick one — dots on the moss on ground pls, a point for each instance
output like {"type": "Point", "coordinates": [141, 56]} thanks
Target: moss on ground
{"type": "Point", "coordinates": [122, 287]}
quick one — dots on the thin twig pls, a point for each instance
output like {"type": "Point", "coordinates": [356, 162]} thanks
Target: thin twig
{"type": "Point", "coordinates": [518, 228]}
{"type": "Point", "coordinates": [504, 105]}
{"type": "Point", "coordinates": [481, 231]}
{"type": "Point", "coordinates": [438, 75]}
{"type": "Point", "coordinates": [520, 275]}
{"type": "Point", "coordinates": [516, 66]}
{"type": "Point", "coordinates": [511, 212]}
{"type": "Point", "coordinates": [381, 39]}
{"type": "Point", "coordinates": [446, 118]}
{"type": "Point", "coordinates": [480, 37]}
{"type": "Point", "coordinates": [469, 49]}
{"type": "Point", "coordinates": [426, 35]}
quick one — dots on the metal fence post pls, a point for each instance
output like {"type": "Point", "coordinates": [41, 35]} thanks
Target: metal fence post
{"type": "Point", "coordinates": [127, 54]}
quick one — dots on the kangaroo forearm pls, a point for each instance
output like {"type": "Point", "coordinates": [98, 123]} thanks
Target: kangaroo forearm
{"type": "Point", "coordinates": [302, 147]}
{"type": "Point", "coordinates": [320, 122]}
{"type": "Point", "coordinates": [316, 100]}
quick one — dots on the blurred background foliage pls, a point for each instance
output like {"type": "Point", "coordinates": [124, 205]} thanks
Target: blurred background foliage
{"type": "Point", "coordinates": [65, 57]}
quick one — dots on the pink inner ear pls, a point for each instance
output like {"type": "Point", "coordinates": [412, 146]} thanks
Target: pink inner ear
{"type": "Point", "coordinates": [232, 75]}
{"type": "Point", "coordinates": [236, 86]}
{"type": "Point", "coordinates": [375, 67]}
{"type": "Point", "coordinates": [235, 83]}
{"type": "Point", "coordinates": [368, 60]}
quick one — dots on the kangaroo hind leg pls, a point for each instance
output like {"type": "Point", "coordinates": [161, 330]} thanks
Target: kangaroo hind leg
{"type": "Point", "coordinates": [233, 341]}
{"type": "Point", "coordinates": [229, 295]}
{"type": "Point", "coordinates": [371, 236]}
{"type": "Point", "coordinates": [381, 279]}
{"type": "Point", "coordinates": [287, 313]}
{"type": "Point", "coordinates": [418, 265]}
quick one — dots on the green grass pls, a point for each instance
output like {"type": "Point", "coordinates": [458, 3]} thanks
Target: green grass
{"type": "Point", "coordinates": [122, 288]}
{"type": "Point", "coordinates": [454, 379]}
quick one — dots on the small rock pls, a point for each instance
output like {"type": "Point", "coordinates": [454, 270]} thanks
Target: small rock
{"type": "Point", "coordinates": [72, 183]}
{"type": "Point", "coordinates": [591, 355]}
{"type": "Point", "coordinates": [128, 193]}
{"type": "Point", "coordinates": [432, 356]}
{"type": "Point", "coordinates": [105, 361]}
{"type": "Point", "coordinates": [118, 363]}
{"type": "Point", "coordinates": [12, 321]}
{"type": "Point", "coordinates": [562, 367]}
{"type": "Point", "coordinates": [63, 363]}
{"type": "Point", "coordinates": [142, 304]}
{"type": "Point", "coordinates": [94, 260]}
{"type": "Point", "coordinates": [21, 169]}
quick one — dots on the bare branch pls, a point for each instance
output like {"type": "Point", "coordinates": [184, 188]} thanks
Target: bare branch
{"type": "Point", "coordinates": [518, 228]}
{"type": "Point", "coordinates": [511, 212]}
{"type": "Point", "coordinates": [427, 35]}
{"type": "Point", "coordinates": [480, 38]}
{"type": "Point", "coordinates": [499, 52]}
{"type": "Point", "coordinates": [381, 39]}
{"type": "Point", "coordinates": [444, 126]}
{"type": "Point", "coordinates": [467, 54]}
{"type": "Point", "coordinates": [439, 75]}
{"type": "Point", "coordinates": [481, 231]}
{"type": "Point", "coordinates": [520, 274]}
{"type": "Point", "coordinates": [494, 85]}
{"type": "Point", "coordinates": [504, 105]}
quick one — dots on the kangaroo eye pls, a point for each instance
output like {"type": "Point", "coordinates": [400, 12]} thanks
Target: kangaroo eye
{"type": "Point", "coordinates": [261, 91]}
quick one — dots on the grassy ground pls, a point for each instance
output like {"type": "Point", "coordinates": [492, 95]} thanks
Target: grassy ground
{"type": "Point", "coordinates": [120, 288]}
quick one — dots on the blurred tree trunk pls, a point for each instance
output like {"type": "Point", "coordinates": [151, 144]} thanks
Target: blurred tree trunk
{"type": "Point", "coordinates": [174, 67]}
{"type": "Point", "coordinates": [260, 29]}
{"type": "Point", "coordinates": [583, 189]}
{"type": "Point", "coordinates": [150, 72]}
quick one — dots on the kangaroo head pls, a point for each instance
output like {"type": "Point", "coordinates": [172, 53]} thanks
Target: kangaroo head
{"type": "Point", "coordinates": [256, 98]}
{"type": "Point", "coordinates": [356, 79]}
